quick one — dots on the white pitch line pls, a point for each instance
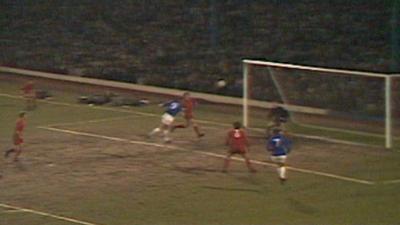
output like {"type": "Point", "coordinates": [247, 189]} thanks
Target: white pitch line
{"type": "Point", "coordinates": [82, 106]}
{"type": "Point", "coordinates": [341, 130]}
{"type": "Point", "coordinates": [301, 170]}
{"type": "Point", "coordinates": [68, 219]}
{"type": "Point", "coordinates": [105, 137]}
{"type": "Point", "coordinates": [92, 121]}
{"type": "Point", "coordinates": [11, 211]}
{"type": "Point", "coordinates": [391, 181]}
{"type": "Point", "coordinates": [326, 139]}
{"type": "Point", "coordinates": [344, 178]}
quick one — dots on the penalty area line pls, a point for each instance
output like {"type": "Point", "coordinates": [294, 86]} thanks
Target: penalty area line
{"type": "Point", "coordinates": [108, 119]}
{"type": "Point", "coordinates": [76, 105]}
{"type": "Point", "coordinates": [32, 211]}
{"type": "Point", "coordinates": [11, 211]}
{"type": "Point", "coordinates": [306, 171]}
{"type": "Point", "coordinates": [397, 181]}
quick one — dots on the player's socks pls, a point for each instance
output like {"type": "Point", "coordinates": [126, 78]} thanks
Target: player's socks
{"type": "Point", "coordinates": [250, 167]}
{"type": "Point", "coordinates": [167, 139]}
{"type": "Point", "coordinates": [282, 173]}
{"type": "Point", "coordinates": [279, 170]}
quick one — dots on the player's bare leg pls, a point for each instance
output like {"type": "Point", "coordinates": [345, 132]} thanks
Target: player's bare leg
{"type": "Point", "coordinates": [196, 128]}
{"type": "Point", "coordinates": [178, 126]}
{"type": "Point", "coordinates": [154, 131]}
{"type": "Point", "coordinates": [16, 149]}
{"type": "Point", "coordinates": [248, 163]}
{"type": "Point", "coordinates": [226, 163]}
{"type": "Point", "coordinates": [166, 131]}
{"type": "Point", "coordinates": [186, 124]}
{"type": "Point", "coordinates": [189, 122]}
{"type": "Point", "coordinates": [282, 172]}
{"type": "Point", "coordinates": [157, 130]}
{"type": "Point", "coordinates": [17, 153]}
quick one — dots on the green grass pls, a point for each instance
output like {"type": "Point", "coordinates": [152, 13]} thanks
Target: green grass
{"type": "Point", "coordinates": [368, 139]}
{"type": "Point", "coordinates": [118, 183]}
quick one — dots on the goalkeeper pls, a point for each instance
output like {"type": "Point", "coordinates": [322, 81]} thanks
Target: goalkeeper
{"type": "Point", "coordinates": [277, 117]}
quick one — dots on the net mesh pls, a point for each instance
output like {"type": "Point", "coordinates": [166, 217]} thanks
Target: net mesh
{"type": "Point", "coordinates": [335, 105]}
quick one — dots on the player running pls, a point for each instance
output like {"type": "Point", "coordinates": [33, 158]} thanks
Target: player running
{"type": "Point", "coordinates": [17, 137]}
{"type": "Point", "coordinates": [238, 144]}
{"type": "Point", "coordinates": [28, 92]}
{"type": "Point", "coordinates": [188, 105]}
{"type": "Point", "coordinates": [279, 146]}
{"type": "Point", "coordinates": [172, 109]}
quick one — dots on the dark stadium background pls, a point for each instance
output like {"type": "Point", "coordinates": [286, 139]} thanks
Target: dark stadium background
{"type": "Point", "coordinates": [190, 44]}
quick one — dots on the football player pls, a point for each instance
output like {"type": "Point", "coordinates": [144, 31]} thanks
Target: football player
{"type": "Point", "coordinates": [279, 146]}
{"type": "Point", "coordinates": [277, 116]}
{"type": "Point", "coordinates": [172, 109]}
{"type": "Point", "coordinates": [18, 139]}
{"type": "Point", "coordinates": [188, 105]}
{"type": "Point", "coordinates": [238, 144]}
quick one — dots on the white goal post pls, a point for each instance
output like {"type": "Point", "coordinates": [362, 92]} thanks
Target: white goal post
{"type": "Point", "coordinates": [281, 72]}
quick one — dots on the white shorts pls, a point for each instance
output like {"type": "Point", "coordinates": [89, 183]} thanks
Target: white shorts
{"type": "Point", "coordinates": [167, 119]}
{"type": "Point", "coordinates": [279, 159]}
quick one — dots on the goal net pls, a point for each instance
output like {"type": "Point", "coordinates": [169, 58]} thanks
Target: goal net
{"type": "Point", "coordinates": [330, 104]}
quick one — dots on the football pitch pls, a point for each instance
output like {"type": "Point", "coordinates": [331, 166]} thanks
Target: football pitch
{"type": "Point", "coordinates": [94, 165]}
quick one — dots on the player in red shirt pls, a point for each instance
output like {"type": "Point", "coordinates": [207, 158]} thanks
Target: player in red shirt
{"type": "Point", "coordinates": [17, 137]}
{"type": "Point", "coordinates": [238, 144]}
{"type": "Point", "coordinates": [28, 92]}
{"type": "Point", "coordinates": [188, 104]}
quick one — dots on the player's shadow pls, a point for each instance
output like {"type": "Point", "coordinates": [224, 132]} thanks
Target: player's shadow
{"type": "Point", "coordinates": [19, 165]}
{"type": "Point", "coordinates": [301, 207]}
{"type": "Point", "coordinates": [231, 189]}
{"type": "Point", "coordinates": [246, 177]}
{"type": "Point", "coordinates": [195, 170]}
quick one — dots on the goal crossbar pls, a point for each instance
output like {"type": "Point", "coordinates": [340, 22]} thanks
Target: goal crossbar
{"type": "Point", "coordinates": [316, 69]}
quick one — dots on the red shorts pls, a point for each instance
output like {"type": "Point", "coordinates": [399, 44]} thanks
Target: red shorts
{"type": "Point", "coordinates": [17, 139]}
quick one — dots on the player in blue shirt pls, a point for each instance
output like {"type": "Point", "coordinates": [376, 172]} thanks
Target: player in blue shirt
{"type": "Point", "coordinates": [279, 146]}
{"type": "Point", "coordinates": [172, 109]}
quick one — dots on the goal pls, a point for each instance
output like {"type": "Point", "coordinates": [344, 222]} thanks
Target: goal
{"type": "Point", "coordinates": [330, 104]}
